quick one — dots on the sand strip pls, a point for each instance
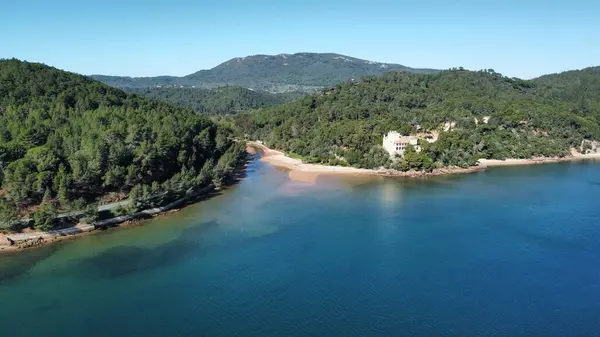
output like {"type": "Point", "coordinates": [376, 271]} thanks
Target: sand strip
{"type": "Point", "coordinates": [279, 159]}
{"type": "Point", "coordinates": [541, 160]}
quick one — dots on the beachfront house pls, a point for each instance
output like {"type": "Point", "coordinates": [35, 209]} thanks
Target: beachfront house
{"type": "Point", "coordinates": [395, 143]}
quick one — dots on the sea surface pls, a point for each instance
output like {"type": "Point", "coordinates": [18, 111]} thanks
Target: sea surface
{"type": "Point", "coordinates": [507, 252]}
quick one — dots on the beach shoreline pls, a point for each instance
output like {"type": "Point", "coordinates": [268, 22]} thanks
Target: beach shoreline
{"type": "Point", "coordinates": [539, 160]}
{"type": "Point", "coordinates": [280, 159]}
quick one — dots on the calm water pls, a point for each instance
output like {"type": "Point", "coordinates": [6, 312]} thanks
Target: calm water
{"type": "Point", "coordinates": [512, 251]}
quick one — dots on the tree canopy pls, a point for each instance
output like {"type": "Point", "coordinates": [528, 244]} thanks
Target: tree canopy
{"type": "Point", "coordinates": [218, 101]}
{"type": "Point", "coordinates": [68, 137]}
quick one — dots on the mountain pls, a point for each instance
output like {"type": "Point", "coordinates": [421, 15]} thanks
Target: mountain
{"type": "Point", "coordinates": [475, 115]}
{"type": "Point", "coordinates": [66, 137]}
{"type": "Point", "coordinates": [274, 73]}
{"type": "Point", "coordinates": [218, 101]}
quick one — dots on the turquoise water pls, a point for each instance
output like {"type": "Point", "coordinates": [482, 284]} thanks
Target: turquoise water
{"type": "Point", "coordinates": [511, 251]}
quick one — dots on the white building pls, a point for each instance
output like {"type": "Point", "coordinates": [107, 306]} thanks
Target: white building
{"type": "Point", "coordinates": [394, 143]}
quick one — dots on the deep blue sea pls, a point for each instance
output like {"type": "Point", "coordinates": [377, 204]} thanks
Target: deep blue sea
{"type": "Point", "coordinates": [507, 252]}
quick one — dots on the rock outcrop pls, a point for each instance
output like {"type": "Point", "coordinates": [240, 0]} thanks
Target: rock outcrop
{"type": "Point", "coordinates": [590, 147]}
{"type": "Point", "coordinates": [4, 241]}
{"type": "Point", "coordinates": [30, 243]}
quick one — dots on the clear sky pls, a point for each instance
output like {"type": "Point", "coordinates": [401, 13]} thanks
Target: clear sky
{"type": "Point", "coordinates": [524, 38]}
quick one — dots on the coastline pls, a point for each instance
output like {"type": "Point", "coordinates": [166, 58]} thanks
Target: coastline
{"type": "Point", "coordinates": [538, 160]}
{"type": "Point", "coordinates": [30, 240]}
{"type": "Point", "coordinates": [296, 166]}
{"type": "Point", "coordinates": [41, 239]}
{"type": "Point", "coordinates": [297, 170]}
{"type": "Point", "coordinates": [16, 242]}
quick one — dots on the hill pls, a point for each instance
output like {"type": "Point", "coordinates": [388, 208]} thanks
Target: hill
{"type": "Point", "coordinates": [575, 86]}
{"type": "Point", "coordinates": [67, 139]}
{"type": "Point", "coordinates": [275, 73]}
{"type": "Point", "coordinates": [218, 101]}
{"type": "Point", "coordinates": [474, 114]}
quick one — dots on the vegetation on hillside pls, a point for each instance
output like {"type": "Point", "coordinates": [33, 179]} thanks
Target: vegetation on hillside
{"type": "Point", "coordinates": [66, 140]}
{"type": "Point", "coordinates": [345, 124]}
{"type": "Point", "coordinates": [218, 101]}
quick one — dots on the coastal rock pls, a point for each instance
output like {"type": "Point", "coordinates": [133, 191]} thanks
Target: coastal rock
{"type": "Point", "coordinates": [30, 243]}
{"type": "Point", "coordinates": [590, 147]}
{"type": "Point", "coordinates": [4, 241]}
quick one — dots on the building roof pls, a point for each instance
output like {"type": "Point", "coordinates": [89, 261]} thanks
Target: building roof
{"type": "Point", "coordinates": [405, 140]}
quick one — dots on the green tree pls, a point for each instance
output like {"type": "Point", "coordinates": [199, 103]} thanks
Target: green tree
{"type": "Point", "coordinates": [44, 217]}
{"type": "Point", "coordinates": [91, 213]}
{"type": "Point", "coordinates": [62, 184]}
{"type": "Point", "coordinates": [8, 213]}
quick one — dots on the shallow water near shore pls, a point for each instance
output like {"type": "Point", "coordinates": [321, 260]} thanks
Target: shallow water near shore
{"type": "Point", "coordinates": [511, 251]}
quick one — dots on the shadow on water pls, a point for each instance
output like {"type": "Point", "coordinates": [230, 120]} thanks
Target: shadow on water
{"type": "Point", "coordinates": [121, 260]}
{"type": "Point", "coordinates": [16, 264]}
{"type": "Point", "coordinates": [126, 260]}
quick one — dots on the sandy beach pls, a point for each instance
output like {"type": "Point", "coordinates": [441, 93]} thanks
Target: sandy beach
{"type": "Point", "coordinates": [310, 172]}
{"type": "Point", "coordinates": [279, 159]}
{"type": "Point", "coordinates": [575, 156]}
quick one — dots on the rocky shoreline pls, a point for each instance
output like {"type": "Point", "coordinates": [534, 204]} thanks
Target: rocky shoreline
{"type": "Point", "coordinates": [22, 241]}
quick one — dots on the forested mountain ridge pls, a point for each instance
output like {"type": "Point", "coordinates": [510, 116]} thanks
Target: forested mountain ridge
{"type": "Point", "coordinates": [218, 101]}
{"type": "Point", "coordinates": [274, 73]}
{"type": "Point", "coordinates": [67, 139]}
{"type": "Point", "coordinates": [543, 117]}
{"type": "Point", "coordinates": [575, 85]}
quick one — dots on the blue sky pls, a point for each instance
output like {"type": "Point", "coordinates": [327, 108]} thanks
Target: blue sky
{"type": "Point", "coordinates": [525, 38]}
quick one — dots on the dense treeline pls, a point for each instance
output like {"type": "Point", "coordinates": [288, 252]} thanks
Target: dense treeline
{"type": "Point", "coordinates": [345, 124]}
{"type": "Point", "coordinates": [66, 140]}
{"type": "Point", "coordinates": [580, 87]}
{"type": "Point", "coordinates": [218, 101]}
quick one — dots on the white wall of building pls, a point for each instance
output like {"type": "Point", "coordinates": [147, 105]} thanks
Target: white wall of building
{"type": "Point", "coordinates": [395, 144]}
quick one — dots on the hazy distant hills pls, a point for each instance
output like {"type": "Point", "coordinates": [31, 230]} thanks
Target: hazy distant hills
{"type": "Point", "coordinates": [274, 73]}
